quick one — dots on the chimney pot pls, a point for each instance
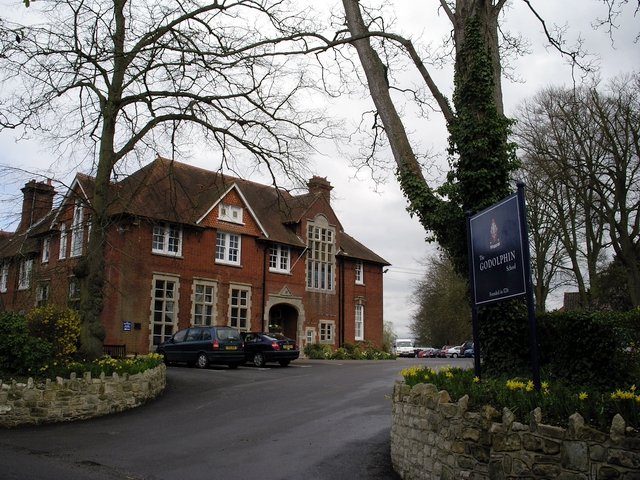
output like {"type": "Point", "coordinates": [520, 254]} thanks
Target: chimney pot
{"type": "Point", "coordinates": [37, 202]}
{"type": "Point", "coordinates": [320, 185]}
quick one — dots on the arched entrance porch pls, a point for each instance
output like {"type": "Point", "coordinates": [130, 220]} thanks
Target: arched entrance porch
{"type": "Point", "coordinates": [284, 318]}
{"type": "Point", "coordinates": [287, 311]}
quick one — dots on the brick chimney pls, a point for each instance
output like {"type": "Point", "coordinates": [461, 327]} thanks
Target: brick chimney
{"type": "Point", "coordinates": [320, 185]}
{"type": "Point", "coordinates": [36, 203]}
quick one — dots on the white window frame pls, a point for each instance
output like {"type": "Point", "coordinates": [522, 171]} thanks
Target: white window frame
{"type": "Point", "coordinates": [164, 308]}
{"type": "Point", "coordinates": [77, 229]}
{"type": "Point", "coordinates": [326, 331]}
{"type": "Point", "coordinates": [24, 276]}
{"type": "Point", "coordinates": [46, 247]}
{"type": "Point", "coordinates": [279, 258]}
{"type": "Point", "coordinates": [230, 213]}
{"type": "Point", "coordinates": [240, 307]}
{"type": "Point", "coordinates": [228, 248]}
{"type": "Point", "coordinates": [203, 302]}
{"type": "Point", "coordinates": [165, 236]}
{"type": "Point", "coordinates": [4, 276]}
{"type": "Point", "coordinates": [63, 241]}
{"type": "Point", "coordinates": [359, 323]}
{"type": "Point", "coordinates": [320, 255]}
{"type": "Point", "coordinates": [310, 335]}
{"type": "Point", "coordinates": [359, 272]}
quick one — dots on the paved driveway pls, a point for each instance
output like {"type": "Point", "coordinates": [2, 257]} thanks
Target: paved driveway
{"type": "Point", "coordinates": [311, 420]}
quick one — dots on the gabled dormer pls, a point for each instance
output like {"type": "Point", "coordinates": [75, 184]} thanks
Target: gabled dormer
{"type": "Point", "coordinates": [232, 211]}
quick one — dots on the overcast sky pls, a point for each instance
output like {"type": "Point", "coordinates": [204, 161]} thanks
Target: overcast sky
{"type": "Point", "coordinates": [378, 219]}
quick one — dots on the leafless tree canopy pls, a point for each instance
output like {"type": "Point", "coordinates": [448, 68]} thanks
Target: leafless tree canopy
{"type": "Point", "coordinates": [161, 76]}
{"type": "Point", "coordinates": [582, 148]}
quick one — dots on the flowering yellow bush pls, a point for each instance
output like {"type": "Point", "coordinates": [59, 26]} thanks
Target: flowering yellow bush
{"type": "Point", "coordinates": [58, 325]}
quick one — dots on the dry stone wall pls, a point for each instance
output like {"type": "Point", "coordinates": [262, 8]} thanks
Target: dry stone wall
{"type": "Point", "coordinates": [434, 438]}
{"type": "Point", "coordinates": [75, 398]}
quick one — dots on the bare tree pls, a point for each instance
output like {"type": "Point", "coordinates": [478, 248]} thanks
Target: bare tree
{"type": "Point", "coordinates": [442, 316]}
{"type": "Point", "coordinates": [548, 255]}
{"type": "Point", "coordinates": [548, 132]}
{"type": "Point", "coordinates": [586, 143]}
{"type": "Point", "coordinates": [119, 78]}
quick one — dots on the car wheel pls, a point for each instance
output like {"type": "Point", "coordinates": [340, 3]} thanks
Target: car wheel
{"type": "Point", "coordinates": [203, 360]}
{"type": "Point", "coordinates": [259, 360]}
{"type": "Point", "coordinates": [455, 355]}
{"type": "Point", "coordinates": [284, 363]}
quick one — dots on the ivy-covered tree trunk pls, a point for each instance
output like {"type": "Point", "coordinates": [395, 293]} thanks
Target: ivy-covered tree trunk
{"type": "Point", "coordinates": [482, 159]}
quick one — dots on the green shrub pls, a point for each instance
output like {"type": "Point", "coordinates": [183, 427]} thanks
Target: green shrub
{"type": "Point", "coordinates": [21, 353]}
{"type": "Point", "coordinates": [348, 351]}
{"type": "Point", "coordinates": [588, 347]}
{"type": "Point", "coordinates": [317, 351]}
{"type": "Point", "coordinates": [340, 354]}
{"type": "Point", "coordinates": [58, 325]}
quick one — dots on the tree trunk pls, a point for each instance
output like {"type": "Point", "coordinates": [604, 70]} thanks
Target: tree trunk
{"type": "Point", "coordinates": [374, 70]}
{"type": "Point", "coordinates": [487, 13]}
{"type": "Point", "coordinates": [91, 268]}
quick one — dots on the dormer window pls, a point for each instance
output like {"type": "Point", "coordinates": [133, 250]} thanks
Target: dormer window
{"type": "Point", "coordinates": [230, 213]}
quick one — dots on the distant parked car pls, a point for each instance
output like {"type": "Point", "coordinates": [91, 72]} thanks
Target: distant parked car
{"type": "Point", "coordinates": [417, 350]}
{"type": "Point", "coordinates": [453, 352]}
{"type": "Point", "coordinates": [469, 352]}
{"type": "Point", "coordinates": [203, 346]}
{"type": "Point", "coordinates": [464, 346]}
{"type": "Point", "coordinates": [261, 348]}
{"type": "Point", "coordinates": [443, 351]}
{"type": "Point", "coordinates": [427, 352]}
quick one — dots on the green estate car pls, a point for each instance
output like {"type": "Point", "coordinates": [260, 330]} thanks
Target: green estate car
{"type": "Point", "coordinates": [203, 346]}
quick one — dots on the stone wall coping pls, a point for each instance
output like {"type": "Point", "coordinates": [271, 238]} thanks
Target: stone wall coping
{"type": "Point", "coordinates": [73, 398]}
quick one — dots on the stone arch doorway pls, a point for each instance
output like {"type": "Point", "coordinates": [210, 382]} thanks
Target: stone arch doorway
{"type": "Point", "coordinates": [285, 316]}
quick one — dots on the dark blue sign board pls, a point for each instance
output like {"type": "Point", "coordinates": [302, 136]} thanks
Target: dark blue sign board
{"type": "Point", "coordinates": [497, 252]}
{"type": "Point", "coordinates": [500, 264]}
{"type": "Point", "coordinates": [126, 326]}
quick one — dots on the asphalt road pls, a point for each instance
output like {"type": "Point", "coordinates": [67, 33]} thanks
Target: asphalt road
{"type": "Point", "coordinates": [311, 420]}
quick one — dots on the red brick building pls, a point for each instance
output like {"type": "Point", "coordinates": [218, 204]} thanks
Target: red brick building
{"type": "Point", "coordinates": [187, 246]}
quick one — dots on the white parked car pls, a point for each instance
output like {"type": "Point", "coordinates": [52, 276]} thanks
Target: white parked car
{"type": "Point", "coordinates": [453, 352]}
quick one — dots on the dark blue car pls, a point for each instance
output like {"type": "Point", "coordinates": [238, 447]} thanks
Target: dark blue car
{"type": "Point", "coordinates": [203, 346]}
{"type": "Point", "coordinates": [261, 348]}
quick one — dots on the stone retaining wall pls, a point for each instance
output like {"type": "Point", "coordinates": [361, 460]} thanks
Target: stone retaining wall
{"type": "Point", "coordinates": [433, 438]}
{"type": "Point", "coordinates": [76, 398]}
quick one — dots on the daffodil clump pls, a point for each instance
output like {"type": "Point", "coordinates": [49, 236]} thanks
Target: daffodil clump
{"type": "Point", "coordinates": [556, 400]}
{"type": "Point", "coordinates": [110, 365]}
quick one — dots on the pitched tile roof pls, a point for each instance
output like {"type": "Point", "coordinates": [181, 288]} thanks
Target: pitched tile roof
{"type": "Point", "coordinates": [170, 191]}
{"type": "Point", "coordinates": [350, 247]}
